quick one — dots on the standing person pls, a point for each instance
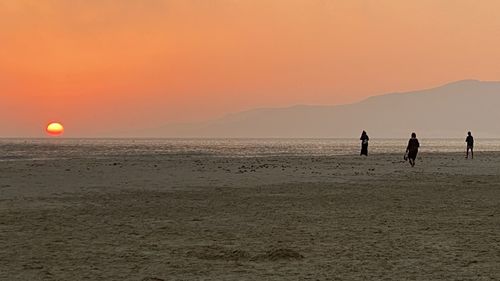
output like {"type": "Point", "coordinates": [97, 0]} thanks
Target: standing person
{"type": "Point", "coordinates": [470, 145]}
{"type": "Point", "coordinates": [364, 143]}
{"type": "Point", "coordinates": [412, 149]}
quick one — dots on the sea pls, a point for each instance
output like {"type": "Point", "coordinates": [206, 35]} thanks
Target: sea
{"type": "Point", "coordinates": [64, 148]}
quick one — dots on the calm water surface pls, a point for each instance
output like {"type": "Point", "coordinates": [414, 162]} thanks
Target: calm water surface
{"type": "Point", "coordinates": [33, 149]}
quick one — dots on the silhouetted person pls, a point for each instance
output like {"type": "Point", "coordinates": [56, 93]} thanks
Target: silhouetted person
{"type": "Point", "coordinates": [364, 143]}
{"type": "Point", "coordinates": [470, 145]}
{"type": "Point", "coordinates": [412, 149]}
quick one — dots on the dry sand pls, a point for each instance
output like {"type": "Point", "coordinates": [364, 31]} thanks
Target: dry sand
{"type": "Point", "coordinates": [201, 217]}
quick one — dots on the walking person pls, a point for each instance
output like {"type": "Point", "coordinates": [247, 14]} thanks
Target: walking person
{"type": "Point", "coordinates": [412, 149]}
{"type": "Point", "coordinates": [470, 145]}
{"type": "Point", "coordinates": [364, 143]}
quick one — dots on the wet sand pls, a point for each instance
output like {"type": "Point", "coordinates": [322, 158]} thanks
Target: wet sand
{"type": "Point", "coordinates": [203, 217]}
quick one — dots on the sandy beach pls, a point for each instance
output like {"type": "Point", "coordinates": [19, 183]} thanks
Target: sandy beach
{"type": "Point", "coordinates": [202, 217]}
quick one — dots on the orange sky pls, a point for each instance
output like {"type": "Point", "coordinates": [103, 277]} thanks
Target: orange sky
{"type": "Point", "coordinates": [105, 66]}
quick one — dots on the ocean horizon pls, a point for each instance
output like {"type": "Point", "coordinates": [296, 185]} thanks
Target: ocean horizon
{"type": "Point", "coordinates": [13, 149]}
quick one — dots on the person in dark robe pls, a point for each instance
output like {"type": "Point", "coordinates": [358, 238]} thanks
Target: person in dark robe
{"type": "Point", "coordinates": [470, 145]}
{"type": "Point", "coordinates": [412, 149]}
{"type": "Point", "coordinates": [364, 143]}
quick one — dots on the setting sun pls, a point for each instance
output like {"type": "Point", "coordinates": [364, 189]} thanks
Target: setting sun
{"type": "Point", "coordinates": [55, 129]}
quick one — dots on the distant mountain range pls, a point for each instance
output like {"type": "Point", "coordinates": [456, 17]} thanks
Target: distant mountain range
{"type": "Point", "coordinates": [447, 111]}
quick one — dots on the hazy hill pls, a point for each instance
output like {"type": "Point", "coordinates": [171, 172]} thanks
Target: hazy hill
{"type": "Point", "coordinates": [446, 111]}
